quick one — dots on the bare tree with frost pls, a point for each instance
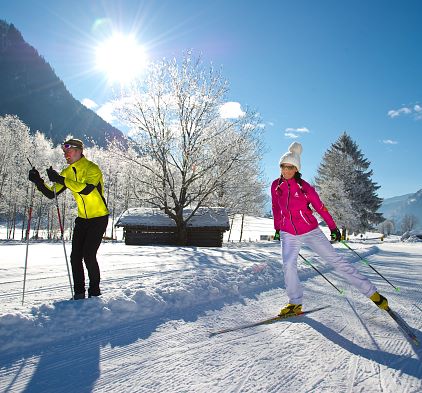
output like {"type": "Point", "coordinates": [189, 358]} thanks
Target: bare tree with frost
{"type": "Point", "coordinates": [186, 151]}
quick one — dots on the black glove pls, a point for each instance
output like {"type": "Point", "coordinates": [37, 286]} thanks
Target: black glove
{"type": "Point", "coordinates": [335, 235]}
{"type": "Point", "coordinates": [54, 176]}
{"type": "Point", "coordinates": [277, 235]}
{"type": "Point", "coordinates": [34, 176]}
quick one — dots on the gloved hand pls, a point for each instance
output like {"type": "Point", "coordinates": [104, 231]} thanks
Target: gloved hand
{"type": "Point", "coordinates": [277, 235]}
{"type": "Point", "coordinates": [335, 235]}
{"type": "Point", "coordinates": [54, 176]}
{"type": "Point", "coordinates": [34, 176]}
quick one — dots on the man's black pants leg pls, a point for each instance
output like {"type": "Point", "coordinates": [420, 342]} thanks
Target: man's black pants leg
{"type": "Point", "coordinates": [87, 237]}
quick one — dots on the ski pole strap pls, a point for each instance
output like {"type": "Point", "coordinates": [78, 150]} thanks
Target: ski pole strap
{"type": "Point", "coordinates": [321, 274]}
{"type": "Point", "coordinates": [367, 263]}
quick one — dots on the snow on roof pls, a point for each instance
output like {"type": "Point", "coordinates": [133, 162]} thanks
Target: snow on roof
{"type": "Point", "coordinates": [153, 217]}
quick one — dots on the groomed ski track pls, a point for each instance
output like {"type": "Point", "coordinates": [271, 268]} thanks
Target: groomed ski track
{"type": "Point", "coordinates": [349, 347]}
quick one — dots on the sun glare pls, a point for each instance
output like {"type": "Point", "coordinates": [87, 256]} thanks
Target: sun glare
{"type": "Point", "coordinates": [121, 58]}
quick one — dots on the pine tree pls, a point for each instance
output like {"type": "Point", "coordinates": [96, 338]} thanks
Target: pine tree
{"type": "Point", "coordinates": [344, 181]}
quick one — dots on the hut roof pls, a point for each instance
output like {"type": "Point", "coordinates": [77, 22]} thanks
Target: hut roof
{"type": "Point", "coordinates": [211, 217]}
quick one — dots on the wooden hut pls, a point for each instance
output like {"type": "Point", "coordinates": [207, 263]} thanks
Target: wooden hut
{"type": "Point", "coordinates": [146, 226]}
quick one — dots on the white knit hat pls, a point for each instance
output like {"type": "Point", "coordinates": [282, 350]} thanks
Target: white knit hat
{"type": "Point", "coordinates": [292, 157]}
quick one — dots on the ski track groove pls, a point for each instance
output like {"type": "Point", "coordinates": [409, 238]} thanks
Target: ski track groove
{"type": "Point", "coordinates": [353, 367]}
{"type": "Point", "coordinates": [155, 363]}
{"type": "Point", "coordinates": [104, 282]}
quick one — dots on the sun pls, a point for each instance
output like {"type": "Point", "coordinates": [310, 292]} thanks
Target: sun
{"type": "Point", "coordinates": [121, 58]}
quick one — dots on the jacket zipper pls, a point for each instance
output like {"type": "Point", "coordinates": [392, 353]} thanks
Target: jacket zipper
{"type": "Point", "coordinates": [83, 201]}
{"type": "Point", "coordinates": [287, 206]}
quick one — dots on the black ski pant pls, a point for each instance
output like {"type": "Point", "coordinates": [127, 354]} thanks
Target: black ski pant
{"type": "Point", "coordinates": [87, 237]}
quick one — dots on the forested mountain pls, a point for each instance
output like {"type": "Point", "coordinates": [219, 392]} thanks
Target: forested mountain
{"type": "Point", "coordinates": [397, 208]}
{"type": "Point", "coordinates": [31, 90]}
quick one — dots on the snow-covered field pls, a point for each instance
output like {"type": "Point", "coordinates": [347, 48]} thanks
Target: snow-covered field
{"type": "Point", "coordinates": [149, 332]}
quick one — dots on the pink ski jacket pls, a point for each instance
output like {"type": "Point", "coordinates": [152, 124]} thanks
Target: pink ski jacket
{"type": "Point", "coordinates": [291, 210]}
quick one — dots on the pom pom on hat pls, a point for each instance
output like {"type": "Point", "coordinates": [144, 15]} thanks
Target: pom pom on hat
{"type": "Point", "coordinates": [292, 157]}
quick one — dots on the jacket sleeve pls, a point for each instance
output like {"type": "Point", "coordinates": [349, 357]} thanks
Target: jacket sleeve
{"type": "Point", "coordinates": [48, 191]}
{"type": "Point", "coordinates": [319, 207]}
{"type": "Point", "coordinates": [275, 206]}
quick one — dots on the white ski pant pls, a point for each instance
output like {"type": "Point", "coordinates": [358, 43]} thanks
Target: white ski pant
{"type": "Point", "coordinates": [318, 242]}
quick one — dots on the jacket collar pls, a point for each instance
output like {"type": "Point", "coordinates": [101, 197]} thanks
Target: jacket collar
{"type": "Point", "coordinates": [80, 163]}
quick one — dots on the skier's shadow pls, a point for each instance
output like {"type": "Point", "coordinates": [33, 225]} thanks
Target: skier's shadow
{"type": "Point", "coordinates": [410, 366]}
{"type": "Point", "coordinates": [74, 365]}
{"type": "Point", "coordinates": [71, 366]}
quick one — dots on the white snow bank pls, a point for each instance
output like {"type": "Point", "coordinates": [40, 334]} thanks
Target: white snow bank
{"type": "Point", "coordinates": [162, 280]}
{"type": "Point", "coordinates": [50, 322]}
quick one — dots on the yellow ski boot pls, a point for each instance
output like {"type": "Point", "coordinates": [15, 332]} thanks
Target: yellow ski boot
{"type": "Point", "coordinates": [291, 309]}
{"type": "Point", "coordinates": [380, 300]}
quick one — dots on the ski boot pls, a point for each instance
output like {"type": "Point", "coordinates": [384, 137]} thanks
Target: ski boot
{"type": "Point", "coordinates": [380, 300]}
{"type": "Point", "coordinates": [290, 309]}
{"type": "Point", "coordinates": [78, 296]}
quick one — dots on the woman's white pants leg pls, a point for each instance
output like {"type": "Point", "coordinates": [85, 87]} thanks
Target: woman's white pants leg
{"type": "Point", "coordinates": [290, 247]}
{"type": "Point", "coordinates": [318, 242]}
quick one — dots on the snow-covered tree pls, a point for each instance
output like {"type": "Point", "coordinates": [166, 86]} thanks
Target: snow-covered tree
{"type": "Point", "coordinates": [335, 197]}
{"type": "Point", "coordinates": [408, 223]}
{"type": "Point", "coordinates": [187, 151]}
{"type": "Point", "coordinates": [14, 186]}
{"type": "Point", "coordinates": [386, 227]}
{"type": "Point", "coordinates": [345, 172]}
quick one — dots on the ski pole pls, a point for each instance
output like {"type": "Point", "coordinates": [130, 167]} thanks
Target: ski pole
{"type": "Point", "coordinates": [341, 291]}
{"type": "Point", "coordinates": [28, 229]}
{"type": "Point", "coordinates": [367, 263]}
{"type": "Point", "coordinates": [64, 246]}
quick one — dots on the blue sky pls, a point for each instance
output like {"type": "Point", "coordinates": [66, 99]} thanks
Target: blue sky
{"type": "Point", "coordinates": [312, 69]}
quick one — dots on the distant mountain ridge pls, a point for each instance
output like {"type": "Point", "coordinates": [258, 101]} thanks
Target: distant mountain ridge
{"type": "Point", "coordinates": [31, 90]}
{"type": "Point", "coordinates": [397, 207]}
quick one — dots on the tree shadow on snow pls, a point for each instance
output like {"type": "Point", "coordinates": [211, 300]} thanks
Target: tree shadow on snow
{"type": "Point", "coordinates": [411, 366]}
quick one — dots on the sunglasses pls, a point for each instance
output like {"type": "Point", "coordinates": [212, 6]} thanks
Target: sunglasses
{"type": "Point", "coordinates": [66, 146]}
{"type": "Point", "coordinates": [289, 167]}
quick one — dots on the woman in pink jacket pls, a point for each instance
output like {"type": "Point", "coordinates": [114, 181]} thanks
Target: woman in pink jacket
{"type": "Point", "coordinates": [295, 223]}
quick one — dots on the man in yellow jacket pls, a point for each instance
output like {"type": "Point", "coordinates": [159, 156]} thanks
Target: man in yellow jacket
{"type": "Point", "coordinates": [85, 180]}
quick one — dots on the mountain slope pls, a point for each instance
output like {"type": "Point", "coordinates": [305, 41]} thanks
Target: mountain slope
{"type": "Point", "coordinates": [397, 207]}
{"type": "Point", "coordinates": [31, 90]}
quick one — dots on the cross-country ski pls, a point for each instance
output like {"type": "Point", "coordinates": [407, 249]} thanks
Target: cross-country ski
{"type": "Point", "coordinates": [404, 327]}
{"type": "Point", "coordinates": [267, 321]}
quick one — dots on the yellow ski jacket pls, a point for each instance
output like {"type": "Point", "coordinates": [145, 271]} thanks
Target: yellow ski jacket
{"type": "Point", "coordinates": [85, 180]}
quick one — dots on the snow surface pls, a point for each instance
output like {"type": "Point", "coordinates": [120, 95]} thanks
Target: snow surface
{"type": "Point", "coordinates": [149, 331]}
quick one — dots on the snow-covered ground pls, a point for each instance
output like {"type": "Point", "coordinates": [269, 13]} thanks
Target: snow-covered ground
{"type": "Point", "coordinates": [149, 331]}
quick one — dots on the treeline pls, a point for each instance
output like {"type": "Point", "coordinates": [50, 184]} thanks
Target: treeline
{"type": "Point", "coordinates": [124, 184]}
{"type": "Point", "coordinates": [19, 148]}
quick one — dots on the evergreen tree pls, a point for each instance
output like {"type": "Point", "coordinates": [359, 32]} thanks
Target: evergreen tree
{"type": "Point", "coordinates": [344, 179]}
{"type": "Point", "coordinates": [335, 196]}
